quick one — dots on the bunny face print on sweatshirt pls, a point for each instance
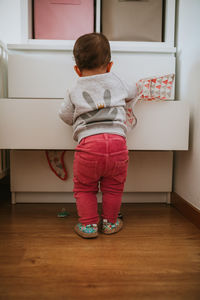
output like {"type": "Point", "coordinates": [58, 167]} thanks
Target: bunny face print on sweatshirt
{"type": "Point", "coordinates": [96, 105]}
{"type": "Point", "coordinates": [101, 111]}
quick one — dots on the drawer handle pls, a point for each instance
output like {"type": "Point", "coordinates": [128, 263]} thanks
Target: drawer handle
{"type": "Point", "coordinates": [68, 2]}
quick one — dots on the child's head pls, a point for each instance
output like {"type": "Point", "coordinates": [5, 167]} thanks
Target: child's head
{"type": "Point", "coordinates": [92, 53]}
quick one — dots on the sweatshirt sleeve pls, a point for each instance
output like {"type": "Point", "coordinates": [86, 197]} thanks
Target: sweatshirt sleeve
{"type": "Point", "coordinates": [131, 90]}
{"type": "Point", "coordinates": [66, 111]}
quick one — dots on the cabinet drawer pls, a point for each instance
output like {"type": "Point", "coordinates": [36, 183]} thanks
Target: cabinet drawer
{"type": "Point", "coordinates": [35, 124]}
{"type": "Point", "coordinates": [147, 172]}
{"type": "Point", "coordinates": [47, 74]}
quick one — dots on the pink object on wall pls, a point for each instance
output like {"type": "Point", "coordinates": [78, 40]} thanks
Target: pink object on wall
{"type": "Point", "coordinates": [63, 19]}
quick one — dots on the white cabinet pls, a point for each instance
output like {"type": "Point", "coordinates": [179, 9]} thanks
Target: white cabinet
{"type": "Point", "coordinates": [38, 75]}
{"type": "Point", "coordinates": [33, 125]}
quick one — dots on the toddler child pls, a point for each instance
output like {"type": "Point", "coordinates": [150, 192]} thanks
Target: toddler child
{"type": "Point", "coordinates": [95, 107]}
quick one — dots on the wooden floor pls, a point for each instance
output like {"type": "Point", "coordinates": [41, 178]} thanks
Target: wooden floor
{"type": "Point", "coordinates": [155, 256]}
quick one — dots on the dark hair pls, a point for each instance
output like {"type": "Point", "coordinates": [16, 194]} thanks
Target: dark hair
{"type": "Point", "coordinates": [92, 51]}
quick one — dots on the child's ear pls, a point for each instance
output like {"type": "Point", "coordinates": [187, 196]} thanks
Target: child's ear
{"type": "Point", "coordinates": [109, 66]}
{"type": "Point", "coordinates": [77, 70]}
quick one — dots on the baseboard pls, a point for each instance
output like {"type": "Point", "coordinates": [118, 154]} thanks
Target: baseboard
{"type": "Point", "coordinates": [50, 197]}
{"type": "Point", "coordinates": [189, 211]}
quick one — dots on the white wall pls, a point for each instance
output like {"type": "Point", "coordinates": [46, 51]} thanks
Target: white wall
{"type": "Point", "coordinates": [187, 164]}
{"type": "Point", "coordinates": [10, 21]}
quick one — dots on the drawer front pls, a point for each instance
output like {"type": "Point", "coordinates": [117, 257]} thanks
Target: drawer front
{"type": "Point", "coordinates": [47, 74]}
{"type": "Point", "coordinates": [35, 124]}
{"type": "Point", "coordinates": [39, 74]}
{"type": "Point", "coordinates": [147, 172]}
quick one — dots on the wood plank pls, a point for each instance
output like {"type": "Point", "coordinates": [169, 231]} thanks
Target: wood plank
{"type": "Point", "coordinates": [155, 256]}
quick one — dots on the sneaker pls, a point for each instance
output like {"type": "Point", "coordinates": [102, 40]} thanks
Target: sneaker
{"type": "Point", "coordinates": [86, 231]}
{"type": "Point", "coordinates": [109, 228]}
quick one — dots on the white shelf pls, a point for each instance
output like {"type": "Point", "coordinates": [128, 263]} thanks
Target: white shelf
{"type": "Point", "coordinates": [26, 15]}
{"type": "Point", "coordinates": [153, 47]}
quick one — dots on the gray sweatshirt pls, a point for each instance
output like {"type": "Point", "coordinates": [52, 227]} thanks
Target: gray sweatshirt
{"type": "Point", "coordinates": [97, 105]}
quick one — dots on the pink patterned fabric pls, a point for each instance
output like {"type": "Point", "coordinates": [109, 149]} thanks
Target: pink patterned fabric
{"type": "Point", "coordinates": [150, 89]}
{"type": "Point", "coordinates": [131, 119]}
{"type": "Point", "coordinates": [155, 88]}
{"type": "Point", "coordinates": [55, 160]}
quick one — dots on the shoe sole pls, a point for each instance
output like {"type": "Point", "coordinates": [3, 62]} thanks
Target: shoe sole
{"type": "Point", "coordinates": [85, 235]}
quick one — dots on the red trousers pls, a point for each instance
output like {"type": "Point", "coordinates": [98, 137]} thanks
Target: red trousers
{"type": "Point", "coordinates": [100, 161]}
